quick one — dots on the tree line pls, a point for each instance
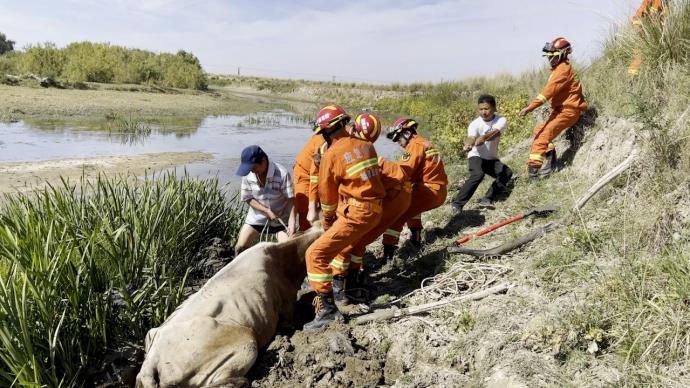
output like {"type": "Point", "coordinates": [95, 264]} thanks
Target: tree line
{"type": "Point", "coordinates": [103, 63]}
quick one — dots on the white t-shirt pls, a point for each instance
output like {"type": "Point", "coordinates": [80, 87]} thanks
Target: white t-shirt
{"type": "Point", "coordinates": [479, 127]}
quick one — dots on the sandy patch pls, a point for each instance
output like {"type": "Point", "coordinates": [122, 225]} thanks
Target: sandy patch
{"type": "Point", "coordinates": [26, 176]}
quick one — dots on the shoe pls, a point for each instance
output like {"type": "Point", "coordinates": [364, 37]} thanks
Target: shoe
{"type": "Point", "coordinates": [339, 295]}
{"type": "Point", "coordinates": [550, 164]}
{"type": "Point", "coordinates": [355, 288]}
{"type": "Point", "coordinates": [486, 203]}
{"type": "Point", "coordinates": [388, 253]}
{"type": "Point", "coordinates": [533, 173]}
{"type": "Point", "coordinates": [326, 312]}
{"type": "Point", "coordinates": [416, 237]}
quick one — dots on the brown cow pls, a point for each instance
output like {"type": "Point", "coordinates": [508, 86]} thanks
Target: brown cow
{"type": "Point", "coordinates": [212, 339]}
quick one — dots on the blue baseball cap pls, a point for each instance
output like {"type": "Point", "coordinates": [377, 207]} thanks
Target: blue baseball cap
{"type": "Point", "coordinates": [250, 156]}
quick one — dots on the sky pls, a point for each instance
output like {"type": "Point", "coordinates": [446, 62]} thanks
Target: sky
{"type": "Point", "coordinates": [377, 41]}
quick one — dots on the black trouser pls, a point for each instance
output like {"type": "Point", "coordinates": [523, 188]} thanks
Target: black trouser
{"type": "Point", "coordinates": [478, 168]}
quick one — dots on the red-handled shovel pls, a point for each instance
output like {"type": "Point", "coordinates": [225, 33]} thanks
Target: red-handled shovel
{"type": "Point", "coordinates": [540, 212]}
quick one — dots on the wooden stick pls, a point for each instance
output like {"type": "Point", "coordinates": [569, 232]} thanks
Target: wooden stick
{"type": "Point", "coordinates": [604, 180]}
{"type": "Point", "coordinates": [541, 231]}
{"type": "Point", "coordinates": [385, 314]}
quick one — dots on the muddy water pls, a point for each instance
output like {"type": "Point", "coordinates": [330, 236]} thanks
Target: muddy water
{"type": "Point", "coordinates": [281, 134]}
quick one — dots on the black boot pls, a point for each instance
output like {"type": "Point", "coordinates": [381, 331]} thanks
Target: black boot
{"type": "Point", "coordinates": [339, 284]}
{"type": "Point", "coordinates": [388, 253]}
{"type": "Point", "coordinates": [416, 237]}
{"type": "Point", "coordinates": [533, 173]}
{"type": "Point", "coordinates": [549, 165]}
{"type": "Point", "coordinates": [326, 312]}
{"type": "Point", "coordinates": [355, 287]}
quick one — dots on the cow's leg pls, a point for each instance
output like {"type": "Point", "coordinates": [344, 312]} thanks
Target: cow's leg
{"type": "Point", "coordinates": [243, 350]}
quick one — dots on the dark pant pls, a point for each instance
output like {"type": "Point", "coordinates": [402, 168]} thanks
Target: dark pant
{"type": "Point", "coordinates": [478, 168]}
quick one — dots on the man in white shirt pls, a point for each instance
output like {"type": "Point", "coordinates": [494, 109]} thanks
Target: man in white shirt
{"type": "Point", "coordinates": [483, 135]}
{"type": "Point", "coordinates": [268, 190]}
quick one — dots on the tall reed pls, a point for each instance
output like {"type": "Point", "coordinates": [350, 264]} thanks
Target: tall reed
{"type": "Point", "coordinates": [85, 264]}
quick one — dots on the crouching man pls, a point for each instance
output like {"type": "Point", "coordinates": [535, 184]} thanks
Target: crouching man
{"type": "Point", "coordinates": [268, 190]}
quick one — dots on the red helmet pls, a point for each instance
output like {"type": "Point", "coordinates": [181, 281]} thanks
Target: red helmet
{"type": "Point", "coordinates": [399, 125]}
{"type": "Point", "coordinates": [329, 116]}
{"type": "Point", "coordinates": [557, 51]}
{"type": "Point", "coordinates": [367, 127]}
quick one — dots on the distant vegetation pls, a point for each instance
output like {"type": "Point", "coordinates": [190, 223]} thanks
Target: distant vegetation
{"type": "Point", "coordinates": [105, 63]}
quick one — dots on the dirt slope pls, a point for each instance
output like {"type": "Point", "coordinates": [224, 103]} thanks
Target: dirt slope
{"type": "Point", "coordinates": [510, 340]}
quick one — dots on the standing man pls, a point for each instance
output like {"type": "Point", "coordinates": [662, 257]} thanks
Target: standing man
{"type": "Point", "coordinates": [564, 92]}
{"type": "Point", "coordinates": [350, 191]}
{"type": "Point", "coordinates": [303, 178]}
{"type": "Point", "coordinates": [422, 163]}
{"type": "Point", "coordinates": [267, 189]}
{"type": "Point", "coordinates": [647, 8]}
{"type": "Point", "coordinates": [347, 266]}
{"type": "Point", "coordinates": [483, 136]}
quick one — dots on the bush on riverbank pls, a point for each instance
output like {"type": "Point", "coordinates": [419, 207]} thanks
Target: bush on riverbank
{"type": "Point", "coordinates": [105, 63]}
{"type": "Point", "coordinates": [80, 270]}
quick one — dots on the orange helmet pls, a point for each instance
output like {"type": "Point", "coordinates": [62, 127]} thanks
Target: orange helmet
{"type": "Point", "coordinates": [400, 125]}
{"type": "Point", "coordinates": [329, 116]}
{"type": "Point", "coordinates": [367, 127]}
{"type": "Point", "coordinates": [557, 51]}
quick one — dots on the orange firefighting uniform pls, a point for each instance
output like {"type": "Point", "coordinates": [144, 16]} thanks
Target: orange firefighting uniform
{"type": "Point", "coordinates": [301, 178]}
{"type": "Point", "coordinates": [564, 93]}
{"type": "Point", "coordinates": [648, 7]}
{"type": "Point", "coordinates": [422, 163]}
{"type": "Point", "coordinates": [398, 197]}
{"type": "Point", "coordinates": [349, 174]}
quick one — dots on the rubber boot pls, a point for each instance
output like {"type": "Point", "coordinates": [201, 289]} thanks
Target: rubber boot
{"type": "Point", "coordinates": [388, 253]}
{"type": "Point", "coordinates": [533, 173]}
{"type": "Point", "coordinates": [326, 312]}
{"type": "Point", "coordinates": [339, 284]}
{"type": "Point", "coordinates": [550, 164]}
{"type": "Point", "coordinates": [416, 237]}
{"type": "Point", "coordinates": [355, 288]}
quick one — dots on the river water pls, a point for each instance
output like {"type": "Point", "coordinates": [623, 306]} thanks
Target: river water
{"type": "Point", "coordinates": [280, 133]}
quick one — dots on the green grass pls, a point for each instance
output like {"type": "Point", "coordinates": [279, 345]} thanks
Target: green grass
{"type": "Point", "coordinates": [81, 270]}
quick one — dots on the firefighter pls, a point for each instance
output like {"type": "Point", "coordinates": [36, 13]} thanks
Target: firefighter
{"type": "Point", "coordinates": [349, 175]}
{"type": "Point", "coordinates": [647, 8]}
{"type": "Point", "coordinates": [422, 163]}
{"type": "Point", "coordinates": [564, 92]}
{"type": "Point", "coordinates": [302, 177]}
{"type": "Point", "coordinates": [347, 266]}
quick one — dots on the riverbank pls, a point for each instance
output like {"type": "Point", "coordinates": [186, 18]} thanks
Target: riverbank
{"type": "Point", "coordinates": [99, 100]}
{"type": "Point", "coordinates": [27, 176]}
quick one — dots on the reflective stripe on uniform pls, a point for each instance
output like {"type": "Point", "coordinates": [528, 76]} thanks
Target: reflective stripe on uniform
{"type": "Point", "coordinates": [538, 157]}
{"type": "Point", "coordinates": [313, 178]}
{"type": "Point", "coordinates": [356, 259]}
{"type": "Point", "coordinates": [328, 208]}
{"type": "Point", "coordinates": [432, 152]}
{"type": "Point", "coordinates": [363, 165]}
{"type": "Point", "coordinates": [393, 233]}
{"type": "Point", "coordinates": [319, 277]}
{"type": "Point", "coordinates": [542, 98]}
{"type": "Point", "coordinates": [337, 263]}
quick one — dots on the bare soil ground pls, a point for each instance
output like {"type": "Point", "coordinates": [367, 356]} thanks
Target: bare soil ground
{"type": "Point", "coordinates": [19, 102]}
{"type": "Point", "coordinates": [26, 176]}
